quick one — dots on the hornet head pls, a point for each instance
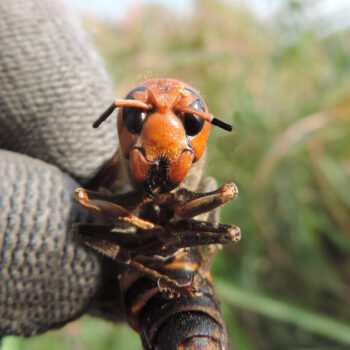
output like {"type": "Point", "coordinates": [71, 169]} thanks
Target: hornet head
{"type": "Point", "coordinates": [163, 126]}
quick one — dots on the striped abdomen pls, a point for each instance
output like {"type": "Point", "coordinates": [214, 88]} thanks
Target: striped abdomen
{"type": "Point", "coordinates": [171, 320]}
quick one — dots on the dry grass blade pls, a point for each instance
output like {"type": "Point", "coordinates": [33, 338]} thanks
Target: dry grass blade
{"type": "Point", "coordinates": [293, 135]}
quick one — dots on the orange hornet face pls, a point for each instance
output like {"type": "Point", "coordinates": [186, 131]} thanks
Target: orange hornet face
{"type": "Point", "coordinates": [160, 133]}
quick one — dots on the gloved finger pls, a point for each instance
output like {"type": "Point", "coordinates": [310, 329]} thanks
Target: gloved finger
{"type": "Point", "coordinates": [52, 88]}
{"type": "Point", "coordinates": [47, 278]}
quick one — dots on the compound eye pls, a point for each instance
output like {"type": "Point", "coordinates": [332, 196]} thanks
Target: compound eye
{"type": "Point", "coordinates": [192, 123]}
{"type": "Point", "coordinates": [133, 119]}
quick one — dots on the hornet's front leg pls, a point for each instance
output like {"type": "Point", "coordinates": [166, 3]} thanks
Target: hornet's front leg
{"type": "Point", "coordinates": [100, 203]}
{"type": "Point", "coordinates": [193, 204]}
{"type": "Point", "coordinates": [130, 237]}
{"type": "Point", "coordinates": [212, 199]}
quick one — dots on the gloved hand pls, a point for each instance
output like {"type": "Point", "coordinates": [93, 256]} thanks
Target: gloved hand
{"type": "Point", "coordinates": [52, 88]}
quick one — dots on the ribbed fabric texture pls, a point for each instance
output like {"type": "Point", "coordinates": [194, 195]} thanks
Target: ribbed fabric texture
{"type": "Point", "coordinates": [45, 278]}
{"type": "Point", "coordinates": [52, 88]}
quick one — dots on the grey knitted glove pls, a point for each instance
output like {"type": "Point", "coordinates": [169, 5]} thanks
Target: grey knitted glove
{"type": "Point", "coordinates": [52, 87]}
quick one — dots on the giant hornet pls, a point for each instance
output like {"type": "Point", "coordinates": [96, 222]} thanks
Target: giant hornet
{"type": "Point", "coordinates": [163, 221]}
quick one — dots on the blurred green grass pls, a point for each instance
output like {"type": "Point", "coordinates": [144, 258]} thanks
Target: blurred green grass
{"type": "Point", "coordinates": [286, 89]}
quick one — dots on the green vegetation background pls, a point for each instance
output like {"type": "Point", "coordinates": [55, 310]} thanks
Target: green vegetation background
{"type": "Point", "coordinates": [285, 86]}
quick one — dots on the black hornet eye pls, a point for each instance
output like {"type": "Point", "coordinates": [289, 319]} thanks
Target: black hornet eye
{"type": "Point", "coordinates": [194, 124]}
{"type": "Point", "coordinates": [133, 119]}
